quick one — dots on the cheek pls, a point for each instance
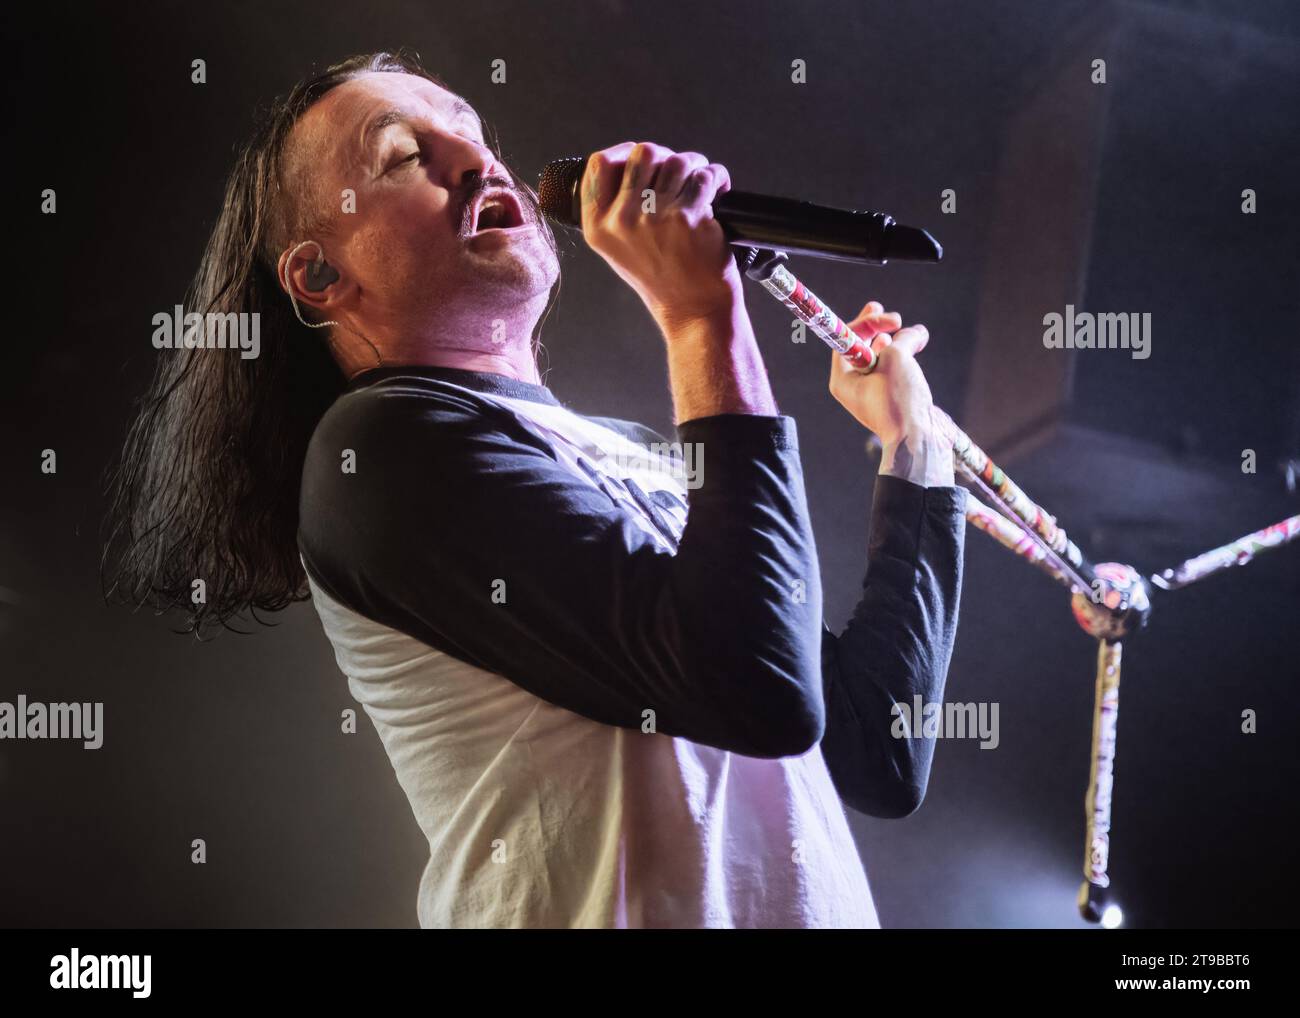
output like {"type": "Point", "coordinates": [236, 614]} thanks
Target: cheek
{"type": "Point", "coordinates": [404, 238]}
{"type": "Point", "coordinates": [420, 209]}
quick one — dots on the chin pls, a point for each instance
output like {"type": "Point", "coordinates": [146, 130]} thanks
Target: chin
{"type": "Point", "coordinates": [524, 269]}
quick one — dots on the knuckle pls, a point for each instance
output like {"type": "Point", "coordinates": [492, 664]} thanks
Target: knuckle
{"type": "Point", "coordinates": [645, 153]}
{"type": "Point", "coordinates": [678, 216]}
{"type": "Point", "coordinates": [679, 160]}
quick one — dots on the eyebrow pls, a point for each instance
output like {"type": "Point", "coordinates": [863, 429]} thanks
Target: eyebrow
{"type": "Point", "coordinates": [395, 116]}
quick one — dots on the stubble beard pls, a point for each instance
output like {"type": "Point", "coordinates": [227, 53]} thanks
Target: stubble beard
{"type": "Point", "coordinates": [503, 292]}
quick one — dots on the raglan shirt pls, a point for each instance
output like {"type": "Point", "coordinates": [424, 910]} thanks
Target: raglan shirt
{"type": "Point", "coordinates": [597, 660]}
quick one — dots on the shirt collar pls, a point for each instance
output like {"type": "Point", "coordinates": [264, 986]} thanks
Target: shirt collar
{"type": "Point", "coordinates": [480, 381]}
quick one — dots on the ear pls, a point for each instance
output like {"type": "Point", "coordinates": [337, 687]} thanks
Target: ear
{"type": "Point", "coordinates": [313, 281]}
{"type": "Point", "coordinates": [320, 275]}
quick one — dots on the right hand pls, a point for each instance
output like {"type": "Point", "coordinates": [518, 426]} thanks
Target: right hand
{"type": "Point", "coordinates": [677, 258]}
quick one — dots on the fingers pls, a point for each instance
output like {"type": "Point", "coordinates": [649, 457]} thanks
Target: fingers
{"type": "Point", "coordinates": [872, 307]}
{"type": "Point", "coordinates": [643, 164]}
{"type": "Point", "coordinates": [911, 340]}
{"type": "Point", "coordinates": [842, 367]}
{"type": "Point", "coordinates": [873, 319]}
{"type": "Point", "coordinates": [602, 179]}
{"type": "Point", "coordinates": [616, 179]}
{"type": "Point", "coordinates": [674, 171]}
{"type": "Point", "coordinates": [877, 323]}
{"type": "Point", "coordinates": [701, 187]}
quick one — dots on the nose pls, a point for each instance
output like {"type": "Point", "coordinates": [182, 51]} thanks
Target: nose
{"type": "Point", "coordinates": [466, 160]}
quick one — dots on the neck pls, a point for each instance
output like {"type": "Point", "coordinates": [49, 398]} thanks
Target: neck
{"type": "Point", "coordinates": [516, 364]}
{"type": "Point", "coordinates": [355, 356]}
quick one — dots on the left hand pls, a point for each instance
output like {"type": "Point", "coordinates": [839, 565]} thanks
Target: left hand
{"type": "Point", "coordinates": [894, 399]}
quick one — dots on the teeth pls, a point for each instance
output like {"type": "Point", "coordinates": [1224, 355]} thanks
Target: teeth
{"type": "Point", "coordinates": [493, 213]}
{"type": "Point", "coordinates": [496, 213]}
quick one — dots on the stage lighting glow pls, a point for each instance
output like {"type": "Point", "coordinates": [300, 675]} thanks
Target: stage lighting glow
{"type": "Point", "coordinates": [1112, 917]}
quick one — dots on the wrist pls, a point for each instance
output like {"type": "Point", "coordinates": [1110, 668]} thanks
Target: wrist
{"type": "Point", "coordinates": [921, 454]}
{"type": "Point", "coordinates": [914, 430]}
{"type": "Point", "coordinates": [720, 313]}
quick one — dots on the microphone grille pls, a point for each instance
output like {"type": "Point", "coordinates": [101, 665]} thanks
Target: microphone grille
{"type": "Point", "coordinates": [557, 190]}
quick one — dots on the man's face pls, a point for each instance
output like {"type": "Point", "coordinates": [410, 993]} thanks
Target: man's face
{"type": "Point", "coordinates": [425, 243]}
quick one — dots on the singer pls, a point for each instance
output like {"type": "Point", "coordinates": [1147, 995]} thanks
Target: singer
{"type": "Point", "coordinates": [610, 698]}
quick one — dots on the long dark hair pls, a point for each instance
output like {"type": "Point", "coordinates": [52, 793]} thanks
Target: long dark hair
{"type": "Point", "coordinates": [207, 484]}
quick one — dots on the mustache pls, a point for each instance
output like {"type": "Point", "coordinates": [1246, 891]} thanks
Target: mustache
{"type": "Point", "coordinates": [527, 198]}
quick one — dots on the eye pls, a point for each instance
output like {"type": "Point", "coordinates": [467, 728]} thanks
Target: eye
{"type": "Point", "coordinates": [403, 160]}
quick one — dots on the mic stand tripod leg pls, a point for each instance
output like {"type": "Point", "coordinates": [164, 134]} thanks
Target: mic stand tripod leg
{"type": "Point", "coordinates": [1101, 782]}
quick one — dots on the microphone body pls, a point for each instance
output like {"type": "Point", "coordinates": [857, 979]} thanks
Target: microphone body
{"type": "Point", "coordinates": [801, 227]}
{"type": "Point", "coordinates": [764, 221]}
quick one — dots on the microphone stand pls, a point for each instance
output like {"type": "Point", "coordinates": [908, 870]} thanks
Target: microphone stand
{"type": "Point", "coordinates": [1109, 600]}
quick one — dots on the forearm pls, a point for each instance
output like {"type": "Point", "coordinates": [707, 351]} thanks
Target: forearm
{"type": "Point", "coordinates": [896, 647]}
{"type": "Point", "coordinates": [714, 366]}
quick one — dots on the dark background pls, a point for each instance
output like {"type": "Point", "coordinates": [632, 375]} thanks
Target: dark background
{"type": "Point", "coordinates": [237, 741]}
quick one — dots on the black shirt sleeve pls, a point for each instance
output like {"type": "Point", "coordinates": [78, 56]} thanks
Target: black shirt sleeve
{"type": "Point", "coordinates": [896, 646]}
{"type": "Point", "coordinates": [459, 527]}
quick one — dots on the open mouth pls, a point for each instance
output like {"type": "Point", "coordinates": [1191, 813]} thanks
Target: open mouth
{"type": "Point", "coordinates": [496, 209]}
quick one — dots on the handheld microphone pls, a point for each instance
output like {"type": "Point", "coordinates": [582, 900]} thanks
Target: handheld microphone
{"type": "Point", "coordinates": [763, 221]}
